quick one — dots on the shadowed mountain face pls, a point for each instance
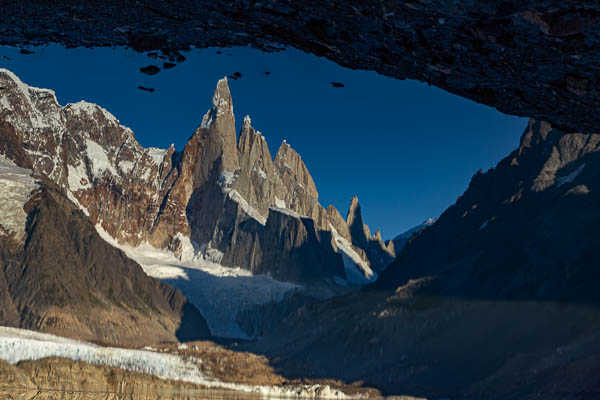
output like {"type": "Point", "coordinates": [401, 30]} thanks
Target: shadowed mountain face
{"type": "Point", "coordinates": [535, 58]}
{"type": "Point", "coordinates": [61, 277]}
{"type": "Point", "coordinates": [222, 198]}
{"type": "Point", "coordinates": [526, 229]}
{"type": "Point", "coordinates": [497, 299]}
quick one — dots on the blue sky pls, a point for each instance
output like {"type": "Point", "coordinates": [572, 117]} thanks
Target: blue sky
{"type": "Point", "coordinates": [408, 150]}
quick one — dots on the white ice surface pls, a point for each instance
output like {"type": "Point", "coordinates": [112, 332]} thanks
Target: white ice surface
{"type": "Point", "coordinates": [18, 345]}
{"type": "Point", "coordinates": [286, 211]}
{"type": "Point", "coordinates": [279, 203]}
{"type": "Point", "coordinates": [218, 292]}
{"type": "Point", "coordinates": [157, 155]}
{"type": "Point", "coordinates": [99, 159]}
{"type": "Point", "coordinates": [16, 185]}
{"type": "Point", "coordinates": [126, 166]}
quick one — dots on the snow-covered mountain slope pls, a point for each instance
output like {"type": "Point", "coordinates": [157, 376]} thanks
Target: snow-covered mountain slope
{"type": "Point", "coordinates": [18, 345]}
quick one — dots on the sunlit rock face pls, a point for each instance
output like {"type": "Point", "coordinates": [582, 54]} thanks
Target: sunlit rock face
{"type": "Point", "coordinates": [221, 198]}
{"type": "Point", "coordinates": [534, 58]}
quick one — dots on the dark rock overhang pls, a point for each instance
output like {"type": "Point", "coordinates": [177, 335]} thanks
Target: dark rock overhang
{"type": "Point", "coordinates": [534, 58]}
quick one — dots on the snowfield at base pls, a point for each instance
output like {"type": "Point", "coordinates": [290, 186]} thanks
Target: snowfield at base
{"type": "Point", "coordinates": [218, 292]}
{"type": "Point", "coordinates": [19, 344]}
{"type": "Point", "coordinates": [16, 185]}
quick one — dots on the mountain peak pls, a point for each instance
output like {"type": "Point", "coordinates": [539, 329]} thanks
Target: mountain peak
{"type": "Point", "coordinates": [246, 122]}
{"type": "Point", "coordinates": [222, 95]}
{"type": "Point", "coordinates": [289, 162]}
{"type": "Point", "coordinates": [353, 212]}
{"type": "Point", "coordinates": [222, 104]}
{"type": "Point", "coordinates": [354, 220]}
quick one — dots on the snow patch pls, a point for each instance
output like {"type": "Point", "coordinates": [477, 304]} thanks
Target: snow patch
{"type": "Point", "coordinates": [90, 109]}
{"type": "Point", "coordinates": [357, 270]}
{"type": "Point", "coordinates": [286, 211]}
{"type": "Point", "coordinates": [213, 255]}
{"type": "Point", "coordinates": [157, 155]}
{"type": "Point", "coordinates": [78, 179]}
{"type": "Point", "coordinates": [247, 208]}
{"type": "Point", "coordinates": [126, 166]}
{"type": "Point", "coordinates": [16, 185]}
{"type": "Point", "coordinates": [279, 203]}
{"type": "Point", "coordinates": [189, 249]}
{"type": "Point", "coordinates": [569, 178]}
{"type": "Point", "coordinates": [260, 172]}
{"type": "Point", "coordinates": [99, 159]}
{"type": "Point", "coordinates": [5, 103]}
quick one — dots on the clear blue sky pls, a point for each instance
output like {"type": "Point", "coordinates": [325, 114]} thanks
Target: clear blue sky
{"type": "Point", "coordinates": [406, 149]}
